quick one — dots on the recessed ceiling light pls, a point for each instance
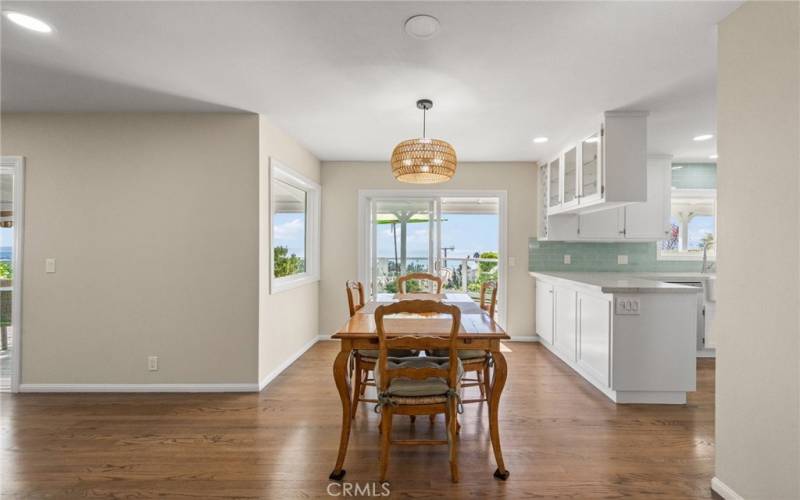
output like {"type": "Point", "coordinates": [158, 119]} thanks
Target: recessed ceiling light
{"type": "Point", "coordinates": [422, 26]}
{"type": "Point", "coordinates": [713, 157]}
{"type": "Point", "coordinates": [703, 137]}
{"type": "Point", "coordinates": [592, 140]}
{"type": "Point", "coordinates": [27, 21]}
{"type": "Point", "coordinates": [540, 140]}
{"type": "Point", "coordinates": [677, 167]}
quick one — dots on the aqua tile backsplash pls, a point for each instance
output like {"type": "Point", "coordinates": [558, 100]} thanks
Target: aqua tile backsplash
{"type": "Point", "coordinates": [694, 175]}
{"type": "Point", "coordinates": [548, 256]}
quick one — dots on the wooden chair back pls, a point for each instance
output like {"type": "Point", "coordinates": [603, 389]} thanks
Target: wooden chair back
{"type": "Point", "coordinates": [489, 288]}
{"type": "Point", "coordinates": [417, 342]}
{"type": "Point", "coordinates": [353, 289]}
{"type": "Point", "coordinates": [401, 281]}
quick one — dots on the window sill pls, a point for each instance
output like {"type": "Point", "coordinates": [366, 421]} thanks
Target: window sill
{"type": "Point", "coordinates": [278, 285]}
{"type": "Point", "coordinates": [685, 258]}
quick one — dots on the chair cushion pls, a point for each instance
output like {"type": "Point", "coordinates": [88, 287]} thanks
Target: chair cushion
{"type": "Point", "coordinates": [393, 353]}
{"type": "Point", "coordinates": [429, 387]}
{"type": "Point", "coordinates": [463, 354]}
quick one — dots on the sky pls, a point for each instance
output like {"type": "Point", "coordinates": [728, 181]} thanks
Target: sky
{"type": "Point", "coordinates": [468, 233]}
{"type": "Point", "coordinates": [289, 230]}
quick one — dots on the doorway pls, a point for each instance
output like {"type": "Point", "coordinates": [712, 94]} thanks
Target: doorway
{"type": "Point", "coordinates": [457, 235]}
{"type": "Point", "coordinates": [11, 179]}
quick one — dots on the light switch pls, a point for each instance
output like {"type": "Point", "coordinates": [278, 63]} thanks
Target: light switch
{"type": "Point", "coordinates": [567, 259]}
{"type": "Point", "coordinates": [50, 265]}
{"type": "Point", "coordinates": [622, 259]}
{"type": "Point", "coordinates": [512, 261]}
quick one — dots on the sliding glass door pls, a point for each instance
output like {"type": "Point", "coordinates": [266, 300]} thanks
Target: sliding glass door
{"type": "Point", "coordinates": [404, 233]}
{"type": "Point", "coordinates": [455, 237]}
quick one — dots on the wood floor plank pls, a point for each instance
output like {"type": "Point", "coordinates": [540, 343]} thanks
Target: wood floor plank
{"type": "Point", "coordinates": [561, 439]}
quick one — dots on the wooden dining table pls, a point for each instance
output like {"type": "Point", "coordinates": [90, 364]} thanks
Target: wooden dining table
{"type": "Point", "coordinates": [478, 331]}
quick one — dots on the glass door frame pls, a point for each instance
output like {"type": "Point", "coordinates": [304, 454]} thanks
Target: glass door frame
{"type": "Point", "coordinates": [367, 237]}
{"type": "Point", "coordinates": [15, 165]}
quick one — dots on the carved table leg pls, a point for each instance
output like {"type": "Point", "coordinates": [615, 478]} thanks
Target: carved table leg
{"type": "Point", "coordinates": [340, 375]}
{"type": "Point", "coordinates": [498, 382]}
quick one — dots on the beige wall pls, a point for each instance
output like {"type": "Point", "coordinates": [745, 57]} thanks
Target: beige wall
{"type": "Point", "coordinates": [153, 220]}
{"type": "Point", "coordinates": [341, 182]}
{"type": "Point", "coordinates": [288, 320]}
{"type": "Point", "coordinates": [758, 380]}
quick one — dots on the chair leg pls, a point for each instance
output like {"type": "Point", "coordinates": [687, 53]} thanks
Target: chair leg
{"type": "Point", "coordinates": [452, 438]}
{"type": "Point", "coordinates": [413, 418]}
{"type": "Point", "coordinates": [486, 381]}
{"type": "Point", "coordinates": [364, 382]}
{"type": "Point", "coordinates": [386, 435]}
{"type": "Point", "coordinates": [356, 388]}
{"type": "Point", "coordinates": [432, 417]}
{"type": "Point", "coordinates": [479, 376]}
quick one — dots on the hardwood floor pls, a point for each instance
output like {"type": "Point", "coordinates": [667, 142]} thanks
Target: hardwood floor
{"type": "Point", "coordinates": [561, 438]}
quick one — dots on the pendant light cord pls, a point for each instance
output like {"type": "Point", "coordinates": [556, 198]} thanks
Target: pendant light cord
{"type": "Point", "coordinates": [424, 114]}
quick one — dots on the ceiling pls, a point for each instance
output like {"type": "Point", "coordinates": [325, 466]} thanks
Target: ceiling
{"type": "Point", "coordinates": [343, 77]}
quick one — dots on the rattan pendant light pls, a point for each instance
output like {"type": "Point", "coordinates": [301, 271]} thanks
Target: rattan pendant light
{"type": "Point", "coordinates": [424, 160]}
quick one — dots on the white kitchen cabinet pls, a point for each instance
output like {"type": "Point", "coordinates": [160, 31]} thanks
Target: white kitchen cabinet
{"type": "Point", "coordinates": [555, 185]}
{"type": "Point", "coordinates": [633, 339]}
{"type": "Point", "coordinates": [647, 221]}
{"type": "Point", "coordinates": [605, 170]}
{"type": "Point", "coordinates": [544, 312]}
{"type": "Point", "coordinates": [562, 227]}
{"type": "Point", "coordinates": [565, 328]}
{"type": "Point", "coordinates": [651, 220]}
{"type": "Point", "coordinates": [571, 178]}
{"type": "Point", "coordinates": [605, 225]}
{"type": "Point", "coordinates": [594, 336]}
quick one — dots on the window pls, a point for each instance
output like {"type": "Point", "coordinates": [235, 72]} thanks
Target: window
{"type": "Point", "coordinates": [694, 225]}
{"type": "Point", "coordinates": [294, 228]}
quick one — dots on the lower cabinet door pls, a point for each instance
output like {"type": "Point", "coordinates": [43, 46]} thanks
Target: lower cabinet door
{"type": "Point", "coordinates": [565, 322]}
{"type": "Point", "coordinates": [594, 336]}
{"type": "Point", "coordinates": [544, 311]}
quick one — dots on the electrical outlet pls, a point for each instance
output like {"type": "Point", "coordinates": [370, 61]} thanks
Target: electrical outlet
{"type": "Point", "coordinates": [567, 259]}
{"type": "Point", "coordinates": [152, 363]}
{"type": "Point", "coordinates": [50, 265]}
{"type": "Point", "coordinates": [627, 306]}
{"type": "Point", "coordinates": [622, 259]}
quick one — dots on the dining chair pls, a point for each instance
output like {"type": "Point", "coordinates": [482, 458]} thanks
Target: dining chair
{"type": "Point", "coordinates": [422, 385]}
{"type": "Point", "coordinates": [363, 360]}
{"type": "Point", "coordinates": [474, 360]}
{"type": "Point", "coordinates": [401, 281]}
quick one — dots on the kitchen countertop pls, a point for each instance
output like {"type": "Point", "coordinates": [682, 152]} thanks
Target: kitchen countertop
{"type": "Point", "coordinates": [611, 282]}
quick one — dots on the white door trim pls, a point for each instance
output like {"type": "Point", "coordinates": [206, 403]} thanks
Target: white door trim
{"type": "Point", "coordinates": [16, 164]}
{"type": "Point", "coordinates": [364, 240]}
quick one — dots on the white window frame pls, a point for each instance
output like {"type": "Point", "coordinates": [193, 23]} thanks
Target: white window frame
{"type": "Point", "coordinates": [686, 256]}
{"type": "Point", "coordinates": [279, 171]}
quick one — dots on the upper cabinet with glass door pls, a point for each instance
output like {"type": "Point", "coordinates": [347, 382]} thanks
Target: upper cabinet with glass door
{"type": "Point", "coordinates": [554, 185]}
{"type": "Point", "coordinates": [606, 169]}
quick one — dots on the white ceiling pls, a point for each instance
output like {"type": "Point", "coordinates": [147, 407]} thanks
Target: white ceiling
{"type": "Point", "coordinates": [343, 77]}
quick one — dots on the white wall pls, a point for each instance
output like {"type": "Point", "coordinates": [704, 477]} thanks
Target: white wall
{"type": "Point", "coordinates": [758, 353]}
{"type": "Point", "coordinates": [153, 220]}
{"type": "Point", "coordinates": [289, 320]}
{"type": "Point", "coordinates": [340, 184]}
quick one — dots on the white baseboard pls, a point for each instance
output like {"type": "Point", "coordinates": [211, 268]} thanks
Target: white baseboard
{"type": "Point", "coordinates": [244, 387]}
{"type": "Point", "coordinates": [707, 353]}
{"type": "Point", "coordinates": [724, 490]}
{"type": "Point", "coordinates": [138, 387]}
{"type": "Point", "coordinates": [533, 338]}
{"type": "Point", "coordinates": [325, 337]}
{"type": "Point", "coordinates": [277, 371]}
